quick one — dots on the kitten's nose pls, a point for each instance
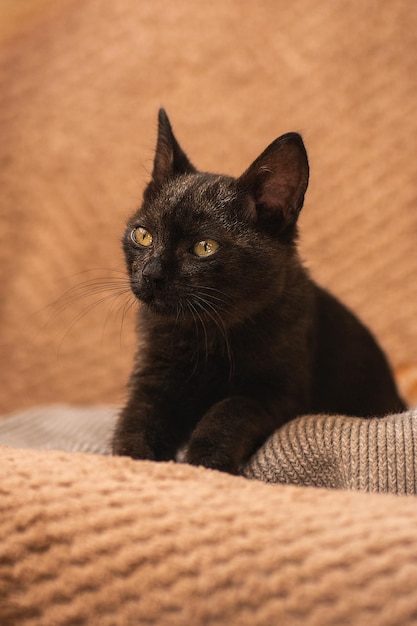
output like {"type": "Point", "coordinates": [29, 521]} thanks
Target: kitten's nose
{"type": "Point", "coordinates": [153, 272]}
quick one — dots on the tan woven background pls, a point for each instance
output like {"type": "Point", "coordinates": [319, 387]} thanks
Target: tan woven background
{"type": "Point", "coordinates": [81, 82]}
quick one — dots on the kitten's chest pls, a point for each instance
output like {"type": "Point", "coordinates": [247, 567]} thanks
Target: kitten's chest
{"type": "Point", "coordinates": [224, 366]}
{"type": "Point", "coordinates": [200, 363]}
{"type": "Point", "coordinates": [197, 367]}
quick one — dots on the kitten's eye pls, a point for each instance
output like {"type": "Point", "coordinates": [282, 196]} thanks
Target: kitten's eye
{"type": "Point", "coordinates": [141, 236]}
{"type": "Point", "coordinates": [206, 247]}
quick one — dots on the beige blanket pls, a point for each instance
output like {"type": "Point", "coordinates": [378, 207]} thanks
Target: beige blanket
{"type": "Point", "coordinates": [94, 540]}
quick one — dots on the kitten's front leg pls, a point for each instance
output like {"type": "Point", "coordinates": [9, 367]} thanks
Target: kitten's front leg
{"type": "Point", "coordinates": [143, 432]}
{"type": "Point", "coordinates": [228, 434]}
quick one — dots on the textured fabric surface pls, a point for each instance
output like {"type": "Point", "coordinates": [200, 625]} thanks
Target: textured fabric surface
{"type": "Point", "coordinates": [72, 429]}
{"type": "Point", "coordinates": [81, 84]}
{"type": "Point", "coordinates": [333, 451]}
{"type": "Point", "coordinates": [377, 455]}
{"type": "Point", "coordinates": [102, 540]}
{"type": "Point", "coordinates": [109, 541]}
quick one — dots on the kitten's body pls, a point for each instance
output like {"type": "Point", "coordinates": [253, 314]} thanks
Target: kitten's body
{"type": "Point", "coordinates": [236, 343]}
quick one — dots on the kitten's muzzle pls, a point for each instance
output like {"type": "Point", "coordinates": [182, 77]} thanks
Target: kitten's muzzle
{"type": "Point", "coordinates": [153, 273]}
{"type": "Point", "coordinates": [152, 288]}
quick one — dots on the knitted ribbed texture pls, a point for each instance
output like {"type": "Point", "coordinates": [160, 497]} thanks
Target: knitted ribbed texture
{"type": "Point", "coordinates": [101, 541]}
{"type": "Point", "coordinates": [377, 455]}
{"type": "Point", "coordinates": [81, 82]}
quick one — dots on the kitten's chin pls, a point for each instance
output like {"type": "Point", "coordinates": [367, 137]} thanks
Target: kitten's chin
{"type": "Point", "coordinates": [159, 307]}
{"type": "Point", "coordinates": [152, 303]}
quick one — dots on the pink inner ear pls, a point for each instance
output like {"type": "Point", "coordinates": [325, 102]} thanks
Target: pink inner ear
{"type": "Point", "coordinates": [277, 180]}
{"type": "Point", "coordinates": [277, 194]}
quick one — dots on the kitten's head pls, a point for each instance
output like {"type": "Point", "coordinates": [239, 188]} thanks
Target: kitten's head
{"type": "Point", "coordinates": [205, 246]}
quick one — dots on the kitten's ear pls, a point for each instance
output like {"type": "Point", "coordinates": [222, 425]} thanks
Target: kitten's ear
{"type": "Point", "coordinates": [169, 160]}
{"type": "Point", "coordinates": [277, 180]}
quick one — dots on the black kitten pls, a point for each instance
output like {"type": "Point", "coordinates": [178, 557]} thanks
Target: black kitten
{"type": "Point", "coordinates": [235, 338]}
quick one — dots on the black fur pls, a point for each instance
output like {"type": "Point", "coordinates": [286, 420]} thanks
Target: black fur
{"type": "Point", "coordinates": [233, 345]}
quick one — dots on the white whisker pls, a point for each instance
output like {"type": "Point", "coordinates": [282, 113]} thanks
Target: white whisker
{"type": "Point", "coordinates": [213, 313]}
{"type": "Point", "coordinates": [105, 289]}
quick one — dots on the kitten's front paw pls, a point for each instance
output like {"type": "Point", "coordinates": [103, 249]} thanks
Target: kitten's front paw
{"type": "Point", "coordinates": [207, 455]}
{"type": "Point", "coordinates": [133, 445]}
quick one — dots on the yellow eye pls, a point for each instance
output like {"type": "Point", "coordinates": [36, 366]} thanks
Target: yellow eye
{"type": "Point", "coordinates": [141, 236]}
{"type": "Point", "coordinates": [206, 247]}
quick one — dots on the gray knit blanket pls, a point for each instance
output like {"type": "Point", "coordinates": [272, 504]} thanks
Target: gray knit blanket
{"type": "Point", "coordinates": [333, 451]}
